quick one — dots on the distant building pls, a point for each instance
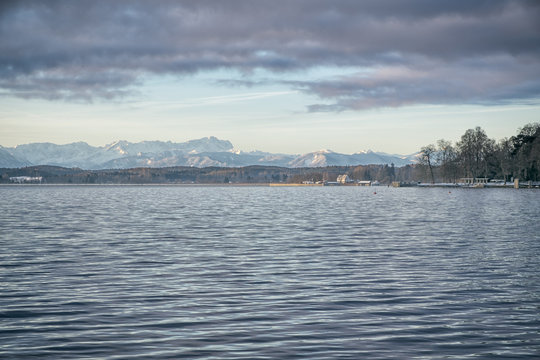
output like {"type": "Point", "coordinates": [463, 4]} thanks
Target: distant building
{"type": "Point", "coordinates": [331, 183]}
{"type": "Point", "coordinates": [364, 183]}
{"type": "Point", "coordinates": [344, 179]}
{"type": "Point", "coordinates": [26, 179]}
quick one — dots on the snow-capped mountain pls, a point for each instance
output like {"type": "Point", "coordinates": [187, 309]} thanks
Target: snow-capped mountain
{"type": "Point", "coordinates": [209, 151]}
{"type": "Point", "coordinates": [330, 158]}
{"type": "Point", "coordinates": [209, 144]}
{"type": "Point", "coordinates": [9, 161]}
{"type": "Point", "coordinates": [78, 154]}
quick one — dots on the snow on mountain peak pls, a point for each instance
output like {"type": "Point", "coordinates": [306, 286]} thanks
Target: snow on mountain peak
{"type": "Point", "coordinates": [207, 151]}
{"type": "Point", "coordinates": [367, 152]}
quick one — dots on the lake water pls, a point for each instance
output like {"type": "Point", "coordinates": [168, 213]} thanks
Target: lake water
{"type": "Point", "coordinates": [171, 272]}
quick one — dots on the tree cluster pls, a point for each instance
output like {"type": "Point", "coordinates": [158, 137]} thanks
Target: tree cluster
{"type": "Point", "coordinates": [478, 156]}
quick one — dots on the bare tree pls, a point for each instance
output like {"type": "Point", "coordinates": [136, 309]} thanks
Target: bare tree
{"type": "Point", "coordinates": [428, 157]}
{"type": "Point", "coordinates": [446, 158]}
{"type": "Point", "coordinates": [503, 154]}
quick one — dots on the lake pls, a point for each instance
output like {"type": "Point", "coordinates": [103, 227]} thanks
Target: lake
{"type": "Point", "coordinates": [193, 272]}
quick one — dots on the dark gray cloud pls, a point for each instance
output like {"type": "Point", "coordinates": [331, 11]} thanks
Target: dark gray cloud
{"type": "Point", "coordinates": [419, 51]}
{"type": "Point", "coordinates": [493, 80]}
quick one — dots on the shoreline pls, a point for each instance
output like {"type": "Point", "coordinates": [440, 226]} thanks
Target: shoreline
{"type": "Point", "coordinates": [422, 185]}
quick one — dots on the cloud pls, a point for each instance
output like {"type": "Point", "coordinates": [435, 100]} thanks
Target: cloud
{"type": "Point", "coordinates": [213, 100]}
{"type": "Point", "coordinates": [480, 81]}
{"type": "Point", "coordinates": [417, 51]}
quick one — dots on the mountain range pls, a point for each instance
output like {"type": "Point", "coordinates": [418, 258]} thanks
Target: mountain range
{"type": "Point", "coordinates": [204, 152]}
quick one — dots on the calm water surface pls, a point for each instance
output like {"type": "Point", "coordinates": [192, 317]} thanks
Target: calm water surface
{"type": "Point", "coordinates": [165, 272]}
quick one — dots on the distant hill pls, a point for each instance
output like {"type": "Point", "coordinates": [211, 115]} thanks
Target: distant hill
{"type": "Point", "coordinates": [204, 152]}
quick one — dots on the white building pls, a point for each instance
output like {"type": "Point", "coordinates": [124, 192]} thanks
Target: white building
{"type": "Point", "coordinates": [26, 179]}
{"type": "Point", "coordinates": [344, 179]}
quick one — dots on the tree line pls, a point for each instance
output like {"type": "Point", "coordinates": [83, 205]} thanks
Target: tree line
{"type": "Point", "coordinates": [476, 155]}
{"type": "Point", "coordinates": [211, 175]}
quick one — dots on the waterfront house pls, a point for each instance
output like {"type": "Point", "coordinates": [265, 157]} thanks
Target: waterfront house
{"type": "Point", "coordinates": [344, 179]}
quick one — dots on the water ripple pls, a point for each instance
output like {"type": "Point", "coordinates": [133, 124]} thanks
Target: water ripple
{"type": "Point", "coordinates": [127, 272]}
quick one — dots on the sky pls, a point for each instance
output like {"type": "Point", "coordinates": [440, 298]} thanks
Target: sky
{"type": "Point", "coordinates": [290, 76]}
